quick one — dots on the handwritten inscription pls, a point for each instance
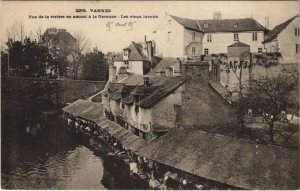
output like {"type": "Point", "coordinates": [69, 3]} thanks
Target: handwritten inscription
{"type": "Point", "coordinates": [128, 26]}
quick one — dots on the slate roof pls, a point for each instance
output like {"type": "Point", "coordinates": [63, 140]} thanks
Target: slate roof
{"type": "Point", "coordinates": [228, 160]}
{"type": "Point", "coordinates": [228, 25]}
{"type": "Point", "coordinates": [169, 85]}
{"type": "Point", "coordinates": [135, 53]}
{"type": "Point", "coordinates": [223, 25]}
{"type": "Point", "coordinates": [187, 23]}
{"type": "Point", "coordinates": [274, 33]}
{"type": "Point", "coordinates": [159, 87]}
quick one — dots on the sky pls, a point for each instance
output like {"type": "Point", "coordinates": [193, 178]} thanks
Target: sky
{"type": "Point", "coordinates": [119, 37]}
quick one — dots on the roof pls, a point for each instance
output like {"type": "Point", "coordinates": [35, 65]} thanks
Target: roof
{"type": "Point", "coordinates": [239, 44]}
{"type": "Point", "coordinates": [133, 80]}
{"type": "Point", "coordinates": [274, 33]}
{"type": "Point", "coordinates": [159, 87]}
{"type": "Point", "coordinates": [168, 85]}
{"type": "Point", "coordinates": [187, 23]}
{"type": "Point", "coordinates": [223, 25]}
{"type": "Point", "coordinates": [135, 53]}
{"type": "Point", "coordinates": [94, 112]}
{"type": "Point", "coordinates": [230, 25]}
{"type": "Point", "coordinates": [228, 160]}
{"type": "Point", "coordinates": [222, 91]}
{"type": "Point", "coordinates": [164, 63]}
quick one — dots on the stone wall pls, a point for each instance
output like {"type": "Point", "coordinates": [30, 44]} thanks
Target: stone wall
{"type": "Point", "coordinates": [201, 105]}
{"type": "Point", "coordinates": [67, 91]}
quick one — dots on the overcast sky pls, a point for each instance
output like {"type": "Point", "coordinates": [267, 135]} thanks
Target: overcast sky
{"type": "Point", "coordinates": [118, 37]}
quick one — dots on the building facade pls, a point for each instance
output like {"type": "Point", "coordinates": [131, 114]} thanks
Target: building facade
{"type": "Point", "coordinates": [182, 37]}
{"type": "Point", "coordinates": [285, 38]}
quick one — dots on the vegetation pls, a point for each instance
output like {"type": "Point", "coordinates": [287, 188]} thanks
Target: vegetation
{"type": "Point", "coordinates": [268, 98]}
{"type": "Point", "coordinates": [95, 66]}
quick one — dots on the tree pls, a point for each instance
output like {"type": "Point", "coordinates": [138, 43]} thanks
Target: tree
{"type": "Point", "coordinates": [82, 45]}
{"type": "Point", "coordinates": [95, 66]}
{"type": "Point", "coordinates": [28, 59]}
{"type": "Point", "coordinates": [267, 97]}
{"type": "Point", "coordinates": [16, 32]}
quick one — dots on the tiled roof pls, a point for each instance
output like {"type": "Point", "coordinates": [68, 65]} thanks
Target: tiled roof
{"type": "Point", "coordinates": [223, 25]}
{"type": "Point", "coordinates": [227, 160]}
{"type": "Point", "coordinates": [273, 33]}
{"type": "Point", "coordinates": [239, 44]}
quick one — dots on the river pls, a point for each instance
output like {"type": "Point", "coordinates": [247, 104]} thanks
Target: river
{"type": "Point", "coordinates": [56, 158]}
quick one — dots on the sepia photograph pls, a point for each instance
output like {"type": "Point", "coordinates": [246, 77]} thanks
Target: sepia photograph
{"type": "Point", "coordinates": [150, 95]}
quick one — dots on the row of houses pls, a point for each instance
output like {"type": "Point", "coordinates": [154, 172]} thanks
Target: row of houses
{"type": "Point", "coordinates": [183, 37]}
{"type": "Point", "coordinates": [162, 102]}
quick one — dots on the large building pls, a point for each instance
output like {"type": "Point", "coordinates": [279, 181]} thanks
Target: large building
{"type": "Point", "coordinates": [182, 37]}
{"type": "Point", "coordinates": [285, 38]}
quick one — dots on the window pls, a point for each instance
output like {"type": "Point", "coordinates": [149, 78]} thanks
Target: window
{"type": "Point", "coordinates": [137, 109]}
{"type": "Point", "coordinates": [168, 35]}
{"type": "Point", "coordinates": [208, 37]}
{"type": "Point", "coordinates": [259, 50]}
{"type": "Point", "coordinates": [206, 51]}
{"type": "Point", "coordinates": [254, 36]}
{"type": "Point", "coordinates": [193, 50]}
{"type": "Point", "coordinates": [236, 36]}
{"type": "Point", "coordinates": [297, 31]}
{"type": "Point", "coordinates": [127, 64]}
{"type": "Point", "coordinates": [194, 36]}
{"type": "Point", "coordinates": [298, 48]}
{"type": "Point", "coordinates": [235, 25]}
{"type": "Point", "coordinates": [169, 21]}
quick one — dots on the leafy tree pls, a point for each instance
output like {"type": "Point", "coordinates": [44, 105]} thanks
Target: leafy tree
{"type": "Point", "coordinates": [95, 66]}
{"type": "Point", "coordinates": [28, 59]}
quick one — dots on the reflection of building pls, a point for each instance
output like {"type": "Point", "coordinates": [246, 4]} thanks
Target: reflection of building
{"type": "Point", "coordinates": [285, 38]}
{"type": "Point", "coordinates": [181, 37]}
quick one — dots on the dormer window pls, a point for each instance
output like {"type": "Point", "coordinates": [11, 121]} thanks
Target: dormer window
{"type": "Point", "coordinates": [235, 25]}
{"type": "Point", "coordinates": [206, 25]}
{"type": "Point", "coordinates": [125, 52]}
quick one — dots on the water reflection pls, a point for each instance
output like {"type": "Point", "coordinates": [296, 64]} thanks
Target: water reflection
{"type": "Point", "coordinates": [58, 159]}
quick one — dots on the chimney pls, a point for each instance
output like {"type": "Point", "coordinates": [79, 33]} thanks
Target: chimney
{"type": "Point", "coordinates": [146, 81]}
{"type": "Point", "coordinates": [267, 22]}
{"type": "Point", "coordinates": [195, 70]}
{"type": "Point", "coordinates": [122, 73]}
{"type": "Point", "coordinates": [149, 50]}
{"type": "Point", "coordinates": [112, 70]}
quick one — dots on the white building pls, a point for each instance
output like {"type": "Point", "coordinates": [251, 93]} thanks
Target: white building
{"type": "Point", "coordinates": [285, 38]}
{"type": "Point", "coordinates": [182, 37]}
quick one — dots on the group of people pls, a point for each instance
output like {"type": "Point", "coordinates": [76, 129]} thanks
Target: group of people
{"type": "Point", "coordinates": [157, 175]}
